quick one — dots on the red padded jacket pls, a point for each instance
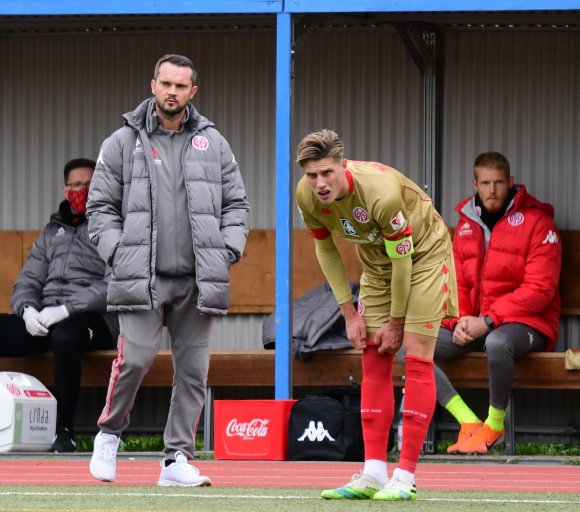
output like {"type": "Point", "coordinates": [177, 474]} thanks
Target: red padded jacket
{"type": "Point", "coordinates": [514, 279]}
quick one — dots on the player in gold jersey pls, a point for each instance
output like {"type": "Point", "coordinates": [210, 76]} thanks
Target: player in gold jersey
{"type": "Point", "coordinates": [407, 288]}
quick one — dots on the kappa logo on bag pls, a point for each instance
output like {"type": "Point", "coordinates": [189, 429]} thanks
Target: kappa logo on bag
{"type": "Point", "coordinates": [327, 427]}
{"type": "Point", "coordinates": [318, 433]}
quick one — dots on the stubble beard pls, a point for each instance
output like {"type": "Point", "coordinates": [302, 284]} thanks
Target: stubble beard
{"type": "Point", "coordinates": [170, 113]}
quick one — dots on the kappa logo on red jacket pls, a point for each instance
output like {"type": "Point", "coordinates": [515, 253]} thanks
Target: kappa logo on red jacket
{"type": "Point", "coordinates": [465, 229]}
{"type": "Point", "coordinates": [551, 238]}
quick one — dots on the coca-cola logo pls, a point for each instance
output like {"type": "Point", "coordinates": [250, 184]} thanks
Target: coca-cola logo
{"type": "Point", "coordinates": [248, 430]}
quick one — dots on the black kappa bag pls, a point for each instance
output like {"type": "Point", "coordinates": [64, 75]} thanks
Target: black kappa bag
{"type": "Point", "coordinates": [327, 427]}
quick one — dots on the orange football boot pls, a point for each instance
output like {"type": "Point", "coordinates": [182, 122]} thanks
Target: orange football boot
{"type": "Point", "coordinates": [467, 430]}
{"type": "Point", "coordinates": [481, 440]}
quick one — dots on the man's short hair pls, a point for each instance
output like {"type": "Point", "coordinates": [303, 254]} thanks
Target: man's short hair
{"type": "Point", "coordinates": [493, 160]}
{"type": "Point", "coordinates": [77, 163]}
{"type": "Point", "coordinates": [319, 145]}
{"type": "Point", "coordinates": [176, 60]}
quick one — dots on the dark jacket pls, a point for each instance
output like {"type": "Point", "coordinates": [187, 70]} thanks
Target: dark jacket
{"type": "Point", "coordinates": [317, 322]}
{"type": "Point", "coordinates": [64, 268]}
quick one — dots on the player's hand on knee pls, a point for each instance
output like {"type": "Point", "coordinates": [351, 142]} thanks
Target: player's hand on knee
{"type": "Point", "coordinates": [389, 337]}
{"type": "Point", "coordinates": [356, 332]}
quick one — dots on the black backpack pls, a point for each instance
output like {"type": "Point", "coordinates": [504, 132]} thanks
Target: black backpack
{"type": "Point", "coordinates": [327, 427]}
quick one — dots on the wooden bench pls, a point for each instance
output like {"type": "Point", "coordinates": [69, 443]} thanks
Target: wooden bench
{"type": "Point", "coordinates": [253, 283]}
{"type": "Point", "coordinates": [234, 368]}
{"type": "Point", "coordinates": [255, 368]}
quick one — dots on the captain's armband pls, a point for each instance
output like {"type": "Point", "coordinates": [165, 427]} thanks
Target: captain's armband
{"type": "Point", "coordinates": [401, 248]}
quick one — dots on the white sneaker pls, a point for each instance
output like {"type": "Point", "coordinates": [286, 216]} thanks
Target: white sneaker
{"type": "Point", "coordinates": [104, 460]}
{"type": "Point", "coordinates": [181, 474]}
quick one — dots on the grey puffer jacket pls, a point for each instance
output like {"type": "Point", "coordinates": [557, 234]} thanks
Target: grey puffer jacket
{"type": "Point", "coordinates": [122, 209]}
{"type": "Point", "coordinates": [63, 268]}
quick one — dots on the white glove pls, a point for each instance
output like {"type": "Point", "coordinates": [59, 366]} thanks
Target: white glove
{"type": "Point", "coordinates": [33, 326]}
{"type": "Point", "coordinates": [53, 315]}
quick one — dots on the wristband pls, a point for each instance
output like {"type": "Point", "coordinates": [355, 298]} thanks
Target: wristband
{"type": "Point", "coordinates": [489, 321]}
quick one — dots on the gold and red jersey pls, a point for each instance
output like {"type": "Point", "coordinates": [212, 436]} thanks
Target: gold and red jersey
{"type": "Point", "coordinates": [382, 205]}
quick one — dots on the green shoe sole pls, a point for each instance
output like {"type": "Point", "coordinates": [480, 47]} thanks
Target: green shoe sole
{"type": "Point", "coordinates": [348, 493]}
{"type": "Point", "coordinates": [395, 496]}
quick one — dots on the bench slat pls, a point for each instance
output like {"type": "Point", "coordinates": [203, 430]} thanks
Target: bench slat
{"type": "Point", "coordinates": [230, 368]}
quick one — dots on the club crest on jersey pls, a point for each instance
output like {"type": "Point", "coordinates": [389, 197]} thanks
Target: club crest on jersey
{"type": "Point", "coordinates": [360, 308]}
{"type": "Point", "coordinates": [515, 219]}
{"type": "Point", "coordinates": [397, 222]}
{"type": "Point", "coordinates": [465, 229]}
{"type": "Point", "coordinates": [200, 143]}
{"type": "Point", "coordinates": [361, 215]}
{"type": "Point", "coordinates": [348, 227]}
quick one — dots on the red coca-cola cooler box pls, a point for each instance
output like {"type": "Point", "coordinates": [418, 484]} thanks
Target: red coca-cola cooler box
{"type": "Point", "coordinates": [251, 429]}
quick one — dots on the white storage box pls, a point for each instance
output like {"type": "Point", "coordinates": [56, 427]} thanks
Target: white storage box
{"type": "Point", "coordinates": [27, 413]}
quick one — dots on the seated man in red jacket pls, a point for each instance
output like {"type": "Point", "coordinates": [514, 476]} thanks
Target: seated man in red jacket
{"type": "Point", "coordinates": [507, 256]}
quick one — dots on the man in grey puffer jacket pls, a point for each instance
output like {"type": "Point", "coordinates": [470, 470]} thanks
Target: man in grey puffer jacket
{"type": "Point", "coordinates": [167, 211]}
{"type": "Point", "coordinates": [59, 300]}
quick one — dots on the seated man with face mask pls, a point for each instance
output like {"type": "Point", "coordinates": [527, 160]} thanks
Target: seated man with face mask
{"type": "Point", "coordinates": [59, 300]}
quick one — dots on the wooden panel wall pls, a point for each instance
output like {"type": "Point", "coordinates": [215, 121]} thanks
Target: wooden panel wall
{"type": "Point", "coordinates": [12, 256]}
{"type": "Point", "coordinates": [253, 279]}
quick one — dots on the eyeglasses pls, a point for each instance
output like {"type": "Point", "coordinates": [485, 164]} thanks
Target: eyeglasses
{"type": "Point", "coordinates": [78, 185]}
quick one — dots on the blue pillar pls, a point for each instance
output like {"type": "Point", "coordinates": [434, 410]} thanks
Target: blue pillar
{"type": "Point", "coordinates": [283, 379]}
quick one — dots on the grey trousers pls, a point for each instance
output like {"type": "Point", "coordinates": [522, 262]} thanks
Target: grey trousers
{"type": "Point", "coordinates": [140, 340]}
{"type": "Point", "coordinates": [503, 345]}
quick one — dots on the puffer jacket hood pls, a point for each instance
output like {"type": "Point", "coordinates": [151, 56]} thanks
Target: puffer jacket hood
{"type": "Point", "coordinates": [521, 200]}
{"type": "Point", "coordinates": [144, 117]}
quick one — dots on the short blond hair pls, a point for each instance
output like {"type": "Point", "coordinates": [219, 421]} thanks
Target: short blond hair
{"type": "Point", "coordinates": [319, 145]}
{"type": "Point", "coordinates": [493, 160]}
